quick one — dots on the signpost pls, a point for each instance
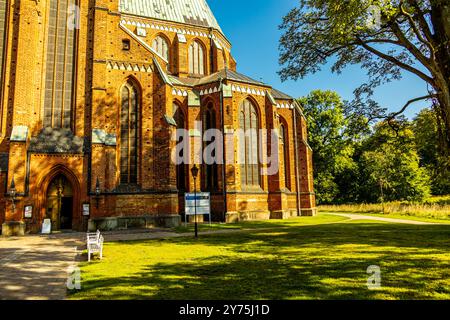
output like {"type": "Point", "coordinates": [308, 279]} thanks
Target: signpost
{"type": "Point", "coordinates": [197, 204]}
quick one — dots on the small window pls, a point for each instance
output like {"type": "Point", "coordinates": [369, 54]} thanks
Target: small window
{"type": "Point", "coordinates": [126, 44]}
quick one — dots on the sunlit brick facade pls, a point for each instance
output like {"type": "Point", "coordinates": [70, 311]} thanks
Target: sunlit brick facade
{"type": "Point", "coordinates": [91, 96]}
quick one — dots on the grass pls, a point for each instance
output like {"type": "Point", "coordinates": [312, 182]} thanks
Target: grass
{"type": "Point", "coordinates": [435, 208]}
{"type": "Point", "coordinates": [295, 259]}
{"type": "Point", "coordinates": [413, 218]}
{"type": "Point", "coordinates": [250, 225]}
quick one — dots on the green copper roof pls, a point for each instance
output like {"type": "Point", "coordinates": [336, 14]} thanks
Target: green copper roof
{"type": "Point", "coordinates": [195, 12]}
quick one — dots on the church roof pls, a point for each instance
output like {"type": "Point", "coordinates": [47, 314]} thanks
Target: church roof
{"type": "Point", "coordinates": [194, 12]}
{"type": "Point", "coordinates": [227, 74]}
{"type": "Point", "coordinates": [277, 94]}
{"type": "Point", "coordinates": [56, 140]}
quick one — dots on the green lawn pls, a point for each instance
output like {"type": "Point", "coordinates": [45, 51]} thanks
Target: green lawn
{"type": "Point", "coordinates": [320, 219]}
{"type": "Point", "coordinates": [304, 258]}
{"type": "Point", "coordinates": [394, 216]}
{"type": "Point", "coordinates": [407, 217]}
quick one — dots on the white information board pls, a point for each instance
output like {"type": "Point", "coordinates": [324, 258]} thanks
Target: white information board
{"type": "Point", "coordinates": [47, 226]}
{"type": "Point", "coordinates": [197, 203]}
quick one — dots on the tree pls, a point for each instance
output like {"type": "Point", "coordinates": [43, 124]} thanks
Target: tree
{"type": "Point", "coordinates": [331, 137]}
{"type": "Point", "coordinates": [425, 127]}
{"type": "Point", "coordinates": [390, 166]}
{"type": "Point", "coordinates": [384, 36]}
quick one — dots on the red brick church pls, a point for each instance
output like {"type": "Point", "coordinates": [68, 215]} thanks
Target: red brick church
{"type": "Point", "coordinates": [92, 96]}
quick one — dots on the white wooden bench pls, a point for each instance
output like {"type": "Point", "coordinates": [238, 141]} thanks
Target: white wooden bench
{"type": "Point", "coordinates": [94, 242]}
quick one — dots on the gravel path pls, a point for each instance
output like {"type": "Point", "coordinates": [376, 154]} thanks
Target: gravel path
{"type": "Point", "coordinates": [391, 220]}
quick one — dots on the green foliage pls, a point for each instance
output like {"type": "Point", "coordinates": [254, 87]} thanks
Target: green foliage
{"type": "Point", "coordinates": [331, 139]}
{"type": "Point", "coordinates": [391, 166]}
{"type": "Point", "coordinates": [425, 128]}
{"type": "Point", "coordinates": [384, 37]}
{"type": "Point", "coordinates": [353, 164]}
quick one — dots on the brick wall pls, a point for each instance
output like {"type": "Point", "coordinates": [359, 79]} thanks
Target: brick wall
{"type": "Point", "coordinates": [102, 68]}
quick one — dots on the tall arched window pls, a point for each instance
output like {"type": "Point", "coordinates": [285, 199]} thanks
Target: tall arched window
{"type": "Point", "coordinates": [196, 58]}
{"type": "Point", "coordinates": [129, 133]}
{"type": "Point", "coordinates": [211, 170]}
{"type": "Point", "coordinates": [3, 11]}
{"type": "Point", "coordinates": [60, 65]}
{"type": "Point", "coordinates": [161, 46]}
{"type": "Point", "coordinates": [285, 155]}
{"type": "Point", "coordinates": [249, 144]}
{"type": "Point", "coordinates": [180, 119]}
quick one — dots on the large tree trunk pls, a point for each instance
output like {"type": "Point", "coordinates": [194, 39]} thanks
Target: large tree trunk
{"type": "Point", "coordinates": [440, 18]}
{"type": "Point", "coordinates": [444, 110]}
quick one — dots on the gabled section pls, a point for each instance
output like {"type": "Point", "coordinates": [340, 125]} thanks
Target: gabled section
{"type": "Point", "coordinates": [163, 75]}
{"type": "Point", "coordinates": [141, 42]}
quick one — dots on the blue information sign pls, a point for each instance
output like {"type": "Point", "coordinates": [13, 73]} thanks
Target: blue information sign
{"type": "Point", "coordinates": [198, 203]}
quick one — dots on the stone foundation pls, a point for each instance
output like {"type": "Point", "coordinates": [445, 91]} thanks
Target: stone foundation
{"type": "Point", "coordinates": [283, 214]}
{"type": "Point", "coordinates": [143, 222]}
{"type": "Point", "coordinates": [13, 229]}
{"type": "Point", "coordinates": [309, 212]}
{"type": "Point", "coordinates": [233, 217]}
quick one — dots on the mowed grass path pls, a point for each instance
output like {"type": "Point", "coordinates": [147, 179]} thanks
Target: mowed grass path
{"type": "Point", "coordinates": [293, 260]}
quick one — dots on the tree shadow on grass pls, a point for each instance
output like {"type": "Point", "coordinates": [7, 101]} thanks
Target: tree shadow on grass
{"type": "Point", "coordinates": [317, 262]}
{"type": "Point", "coordinates": [428, 237]}
{"type": "Point", "coordinates": [256, 279]}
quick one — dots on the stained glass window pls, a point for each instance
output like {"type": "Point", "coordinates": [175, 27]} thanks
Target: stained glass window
{"type": "Point", "coordinates": [249, 144]}
{"type": "Point", "coordinates": [129, 134]}
{"type": "Point", "coordinates": [161, 46]}
{"type": "Point", "coordinates": [196, 59]}
{"type": "Point", "coordinates": [3, 8]}
{"type": "Point", "coordinates": [60, 64]}
{"type": "Point", "coordinates": [285, 155]}
{"type": "Point", "coordinates": [211, 170]}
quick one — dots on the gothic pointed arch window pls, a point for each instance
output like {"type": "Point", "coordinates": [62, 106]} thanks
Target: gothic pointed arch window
{"type": "Point", "coordinates": [161, 46]}
{"type": "Point", "coordinates": [211, 176]}
{"type": "Point", "coordinates": [196, 58]}
{"type": "Point", "coordinates": [249, 145]}
{"type": "Point", "coordinates": [3, 14]}
{"type": "Point", "coordinates": [60, 65]}
{"type": "Point", "coordinates": [182, 168]}
{"type": "Point", "coordinates": [129, 133]}
{"type": "Point", "coordinates": [285, 155]}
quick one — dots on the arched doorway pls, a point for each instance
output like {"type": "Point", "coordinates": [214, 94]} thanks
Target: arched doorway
{"type": "Point", "coordinates": [59, 204]}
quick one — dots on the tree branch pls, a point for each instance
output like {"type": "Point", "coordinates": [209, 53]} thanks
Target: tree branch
{"type": "Point", "coordinates": [397, 62]}
{"type": "Point", "coordinates": [395, 114]}
{"type": "Point", "coordinates": [411, 47]}
{"type": "Point", "coordinates": [422, 22]}
{"type": "Point", "coordinates": [415, 29]}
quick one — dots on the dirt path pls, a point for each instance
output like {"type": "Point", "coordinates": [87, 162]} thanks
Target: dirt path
{"type": "Point", "coordinates": [352, 216]}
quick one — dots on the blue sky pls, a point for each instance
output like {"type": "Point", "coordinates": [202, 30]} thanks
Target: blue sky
{"type": "Point", "coordinates": [252, 28]}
